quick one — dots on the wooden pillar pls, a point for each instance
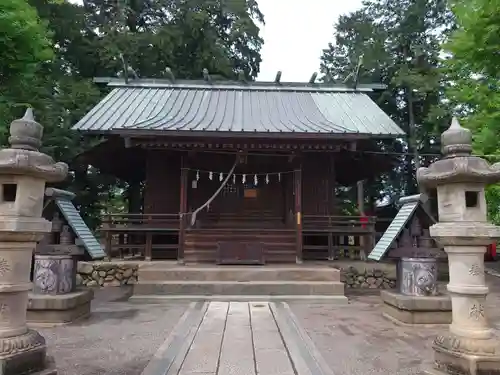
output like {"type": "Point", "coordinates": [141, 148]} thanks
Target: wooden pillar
{"type": "Point", "coordinates": [148, 254]}
{"type": "Point", "coordinates": [360, 187]}
{"type": "Point", "coordinates": [182, 209]}
{"type": "Point", "coordinates": [332, 203]}
{"type": "Point", "coordinates": [108, 236]}
{"type": "Point", "coordinates": [298, 213]}
{"type": "Point", "coordinates": [364, 240]}
{"type": "Point", "coordinates": [361, 209]}
{"type": "Point", "coordinates": [133, 194]}
{"type": "Point", "coordinates": [133, 198]}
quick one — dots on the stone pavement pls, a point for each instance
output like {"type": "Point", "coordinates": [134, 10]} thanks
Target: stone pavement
{"type": "Point", "coordinates": [357, 340]}
{"type": "Point", "coordinates": [121, 338]}
{"type": "Point", "coordinates": [118, 339]}
{"type": "Point", "coordinates": [240, 338]}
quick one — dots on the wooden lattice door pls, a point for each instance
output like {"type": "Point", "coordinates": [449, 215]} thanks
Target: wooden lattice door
{"type": "Point", "coordinates": [230, 199]}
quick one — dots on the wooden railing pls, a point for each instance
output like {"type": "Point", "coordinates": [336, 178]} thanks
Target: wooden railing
{"type": "Point", "coordinates": [337, 237]}
{"type": "Point", "coordinates": [133, 234]}
{"type": "Point", "coordinates": [140, 221]}
{"type": "Point", "coordinates": [324, 237]}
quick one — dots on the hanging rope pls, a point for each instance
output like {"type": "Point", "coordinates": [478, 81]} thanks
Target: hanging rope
{"type": "Point", "coordinates": [193, 217]}
{"type": "Point", "coordinates": [260, 174]}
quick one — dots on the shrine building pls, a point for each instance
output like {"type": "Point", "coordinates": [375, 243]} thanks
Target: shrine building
{"type": "Point", "coordinates": [238, 172]}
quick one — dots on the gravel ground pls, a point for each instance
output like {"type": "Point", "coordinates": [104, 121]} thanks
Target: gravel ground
{"type": "Point", "coordinates": [118, 339]}
{"type": "Point", "coordinates": [356, 339]}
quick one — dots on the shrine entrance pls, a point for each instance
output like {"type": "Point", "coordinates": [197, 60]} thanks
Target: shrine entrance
{"type": "Point", "coordinates": [249, 216]}
{"type": "Point", "coordinates": [248, 205]}
{"type": "Point", "coordinates": [256, 195]}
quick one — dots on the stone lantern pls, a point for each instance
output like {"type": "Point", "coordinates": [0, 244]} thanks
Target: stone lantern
{"type": "Point", "coordinates": [463, 231]}
{"type": "Point", "coordinates": [23, 174]}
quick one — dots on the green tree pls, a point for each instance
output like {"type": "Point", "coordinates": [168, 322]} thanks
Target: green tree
{"type": "Point", "coordinates": [25, 45]}
{"type": "Point", "coordinates": [87, 40]}
{"type": "Point", "coordinates": [474, 72]}
{"type": "Point", "coordinates": [187, 36]}
{"type": "Point", "coordinates": [400, 45]}
{"type": "Point", "coordinates": [24, 40]}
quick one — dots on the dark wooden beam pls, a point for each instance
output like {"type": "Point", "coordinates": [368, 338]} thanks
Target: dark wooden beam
{"type": "Point", "coordinates": [246, 135]}
{"type": "Point", "coordinates": [297, 176]}
{"type": "Point", "coordinates": [264, 145]}
{"type": "Point", "coordinates": [183, 208]}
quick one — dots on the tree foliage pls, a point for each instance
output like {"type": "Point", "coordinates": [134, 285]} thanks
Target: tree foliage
{"type": "Point", "coordinates": [474, 72]}
{"type": "Point", "coordinates": [66, 45]}
{"type": "Point", "coordinates": [24, 40]}
{"type": "Point", "coordinates": [399, 42]}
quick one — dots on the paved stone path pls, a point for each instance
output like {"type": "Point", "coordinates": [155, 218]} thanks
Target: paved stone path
{"type": "Point", "coordinates": [123, 338]}
{"type": "Point", "coordinates": [240, 338]}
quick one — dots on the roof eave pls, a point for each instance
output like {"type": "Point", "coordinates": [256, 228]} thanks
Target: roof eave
{"type": "Point", "coordinates": [238, 134]}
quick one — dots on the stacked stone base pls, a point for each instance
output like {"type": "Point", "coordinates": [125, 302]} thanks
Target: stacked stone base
{"type": "Point", "coordinates": [362, 275]}
{"type": "Point", "coordinates": [463, 356]}
{"type": "Point", "coordinates": [106, 273]}
{"type": "Point", "coordinates": [405, 309]}
{"type": "Point", "coordinates": [52, 310]}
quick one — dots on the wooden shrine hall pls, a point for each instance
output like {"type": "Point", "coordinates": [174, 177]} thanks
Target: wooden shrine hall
{"type": "Point", "coordinates": [237, 172]}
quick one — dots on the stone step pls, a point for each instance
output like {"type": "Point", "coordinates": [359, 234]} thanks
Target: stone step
{"type": "Point", "coordinates": [160, 299]}
{"type": "Point", "coordinates": [268, 288]}
{"type": "Point", "coordinates": [239, 274]}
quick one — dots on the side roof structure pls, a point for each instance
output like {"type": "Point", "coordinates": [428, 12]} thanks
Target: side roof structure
{"type": "Point", "coordinates": [185, 107]}
{"type": "Point", "coordinates": [409, 207]}
{"type": "Point", "coordinates": [63, 200]}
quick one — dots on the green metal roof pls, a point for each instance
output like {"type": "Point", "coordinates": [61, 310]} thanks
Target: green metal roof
{"type": "Point", "coordinates": [410, 205]}
{"type": "Point", "coordinates": [159, 105]}
{"type": "Point", "coordinates": [63, 199]}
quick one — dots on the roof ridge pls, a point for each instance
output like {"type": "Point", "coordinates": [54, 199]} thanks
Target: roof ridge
{"type": "Point", "coordinates": [236, 85]}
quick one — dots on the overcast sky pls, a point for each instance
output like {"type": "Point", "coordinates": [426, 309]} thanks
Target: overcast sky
{"type": "Point", "coordinates": [294, 35]}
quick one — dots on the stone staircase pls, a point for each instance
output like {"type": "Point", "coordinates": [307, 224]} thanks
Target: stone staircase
{"type": "Point", "coordinates": [163, 281]}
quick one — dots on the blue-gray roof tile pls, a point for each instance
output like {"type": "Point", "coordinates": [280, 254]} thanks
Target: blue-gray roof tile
{"type": "Point", "coordinates": [408, 208]}
{"type": "Point", "coordinates": [72, 216]}
{"type": "Point", "coordinates": [238, 108]}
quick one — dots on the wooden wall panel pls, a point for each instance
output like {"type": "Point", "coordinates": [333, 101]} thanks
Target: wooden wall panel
{"type": "Point", "coordinates": [318, 184]}
{"type": "Point", "coordinates": [270, 197]}
{"type": "Point", "coordinates": [163, 171]}
{"type": "Point", "coordinates": [162, 185]}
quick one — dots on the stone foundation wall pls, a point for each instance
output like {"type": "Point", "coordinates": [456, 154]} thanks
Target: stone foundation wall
{"type": "Point", "coordinates": [106, 273]}
{"type": "Point", "coordinates": [355, 274]}
{"type": "Point", "coordinates": [367, 275]}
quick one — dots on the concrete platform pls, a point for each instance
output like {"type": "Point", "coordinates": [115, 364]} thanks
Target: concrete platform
{"type": "Point", "coordinates": [168, 272]}
{"type": "Point", "coordinates": [226, 338]}
{"type": "Point", "coordinates": [232, 282]}
{"type": "Point", "coordinates": [52, 310]}
{"type": "Point", "coordinates": [411, 310]}
{"type": "Point", "coordinates": [270, 288]}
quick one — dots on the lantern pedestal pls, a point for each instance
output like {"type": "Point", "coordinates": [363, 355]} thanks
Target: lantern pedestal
{"type": "Point", "coordinates": [22, 350]}
{"type": "Point", "coordinates": [410, 310]}
{"type": "Point", "coordinates": [416, 300]}
{"type": "Point", "coordinates": [54, 310]}
{"type": "Point", "coordinates": [55, 300]}
{"type": "Point", "coordinates": [470, 346]}
{"type": "Point", "coordinates": [462, 356]}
